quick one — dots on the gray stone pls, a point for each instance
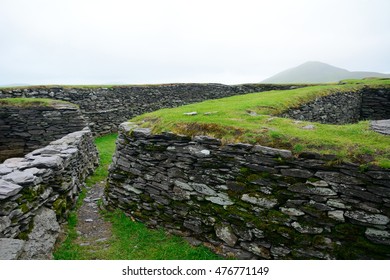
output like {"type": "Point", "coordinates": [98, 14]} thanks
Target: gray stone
{"type": "Point", "coordinates": [320, 183]}
{"type": "Point", "coordinates": [53, 162]}
{"type": "Point", "coordinates": [14, 163]}
{"type": "Point", "coordinates": [379, 175]}
{"type": "Point", "coordinates": [257, 249]}
{"type": "Point", "coordinates": [378, 236]}
{"type": "Point", "coordinates": [193, 224]}
{"type": "Point", "coordinates": [260, 201]}
{"type": "Point", "coordinates": [272, 151]}
{"type": "Point", "coordinates": [8, 189]}
{"type": "Point", "coordinates": [338, 178]}
{"type": "Point", "coordinates": [127, 126]}
{"type": "Point", "coordinates": [299, 173]}
{"type": "Point", "coordinates": [26, 176]}
{"type": "Point", "coordinates": [141, 132]}
{"type": "Point", "coordinates": [199, 151]}
{"type": "Point", "coordinates": [221, 199]}
{"type": "Point", "coordinates": [336, 204]}
{"type": "Point", "coordinates": [258, 233]}
{"type": "Point", "coordinates": [4, 169]}
{"type": "Point", "coordinates": [337, 215]}
{"type": "Point", "coordinates": [183, 185]}
{"type": "Point", "coordinates": [381, 126]}
{"type": "Point", "coordinates": [292, 211]}
{"type": "Point", "coordinates": [41, 239]}
{"type": "Point", "coordinates": [10, 249]}
{"type": "Point", "coordinates": [131, 189]}
{"type": "Point", "coordinates": [302, 188]}
{"type": "Point", "coordinates": [374, 219]}
{"type": "Point", "coordinates": [5, 222]}
{"type": "Point", "coordinates": [190, 113]}
{"type": "Point", "coordinates": [180, 194]}
{"type": "Point", "coordinates": [279, 251]}
{"type": "Point", "coordinates": [225, 232]}
{"type": "Point", "coordinates": [203, 189]}
{"type": "Point", "coordinates": [306, 229]}
{"type": "Point", "coordinates": [309, 127]}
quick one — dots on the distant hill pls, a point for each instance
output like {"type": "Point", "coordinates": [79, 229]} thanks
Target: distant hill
{"type": "Point", "coordinates": [318, 72]}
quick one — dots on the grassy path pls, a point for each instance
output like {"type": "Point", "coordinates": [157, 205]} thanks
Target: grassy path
{"type": "Point", "coordinates": [94, 233]}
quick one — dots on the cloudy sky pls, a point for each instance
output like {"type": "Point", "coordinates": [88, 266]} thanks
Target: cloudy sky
{"type": "Point", "coordinates": [163, 41]}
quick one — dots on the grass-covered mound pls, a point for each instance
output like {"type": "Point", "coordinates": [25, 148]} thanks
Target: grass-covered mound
{"type": "Point", "coordinates": [252, 118]}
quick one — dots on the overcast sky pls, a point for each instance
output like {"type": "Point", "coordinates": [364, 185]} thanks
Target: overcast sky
{"type": "Point", "coordinates": [164, 41]}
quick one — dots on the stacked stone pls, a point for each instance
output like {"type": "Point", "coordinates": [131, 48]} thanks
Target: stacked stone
{"type": "Point", "coordinates": [376, 104]}
{"type": "Point", "coordinates": [250, 201]}
{"type": "Point", "coordinates": [342, 108]}
{"type": "Point", "coordinates": [106, 108]}
{"type": "Point", "coordinates": [24, 129]}
{"type": "Point", "coordinates": [338, 108]}
{"type": "Point", "coordinates": [47, 178]}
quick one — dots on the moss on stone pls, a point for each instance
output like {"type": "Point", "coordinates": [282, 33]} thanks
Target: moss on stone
{"type": "Point", "coordinates": [60, 207]}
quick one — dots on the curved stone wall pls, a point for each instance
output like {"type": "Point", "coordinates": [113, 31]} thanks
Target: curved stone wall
{"type": "Point", "coordinates": [24, 128]}
{"type": "Point", "coordinates": [106, 108]}
{"type": "Point", "coordinates": [251, 202]}
{"type": "Point", "coordinates": [347, 107]}
{"type": "Point", "coordinates": [38, 190]}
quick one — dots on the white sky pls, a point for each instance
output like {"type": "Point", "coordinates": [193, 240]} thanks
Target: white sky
{"type": "Point", "coordinates": [163, 41]}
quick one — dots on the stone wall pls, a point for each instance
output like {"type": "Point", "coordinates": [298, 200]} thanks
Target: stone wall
{"type": "Point", "coordinates": [250, 201]}
{"type": "Point", "coordinates": [38, 190]}
{"type": "Point", "coordinates": [347, 107]}
{"type": "Point", "coordinates": [106, 108]}
{"type": "Point", "coordinates": [26, 128]}
{"type": "Point", "coordinates": [376, 104]}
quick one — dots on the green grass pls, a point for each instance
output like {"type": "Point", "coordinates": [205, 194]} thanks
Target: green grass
{"type": "Point", "coordinates": [106, 148]}
{"type": "Point", "coordinates": [368, 81]}
{"type": "Point", "coordinates": [251, 118]}
{"type": "Point", "coordinates": [27, 102]}
{"type": "Point", "coordinates": [130, 240]}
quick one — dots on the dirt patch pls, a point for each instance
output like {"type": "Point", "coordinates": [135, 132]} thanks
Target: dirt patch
{"type": "Point", "coordinates": [93, 230]}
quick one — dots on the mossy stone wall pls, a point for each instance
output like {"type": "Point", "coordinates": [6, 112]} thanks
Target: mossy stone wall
{"type": "Point", "coordinates": [250, 201]}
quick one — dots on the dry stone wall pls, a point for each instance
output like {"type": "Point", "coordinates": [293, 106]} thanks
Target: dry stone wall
{"type": "Point", "coordinates": [376, 104]}
{"type": "Point", "coordinates": [106, 108]}
{"type": "Point", "coordinates": [26, 128]}
{"type": "Point", "coordinates": [250, 201]}
{"type": "Point", "coordinates": [346, 107]}
{"type": "Point", "coordinates": [37, 192]}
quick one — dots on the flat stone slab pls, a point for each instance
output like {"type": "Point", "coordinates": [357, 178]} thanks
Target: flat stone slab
{"type": "Point", "coordinates": [381, 126]}
{"type": "Point", "coordinates": [10, 249]}
{"type": "Point", "coordinates": [8, 189]}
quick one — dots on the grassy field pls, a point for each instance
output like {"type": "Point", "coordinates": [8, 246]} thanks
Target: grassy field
{"type": "Point", "coordinates": [251, 118]}
{"type": "Point", "coordinates": [130, 240]}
